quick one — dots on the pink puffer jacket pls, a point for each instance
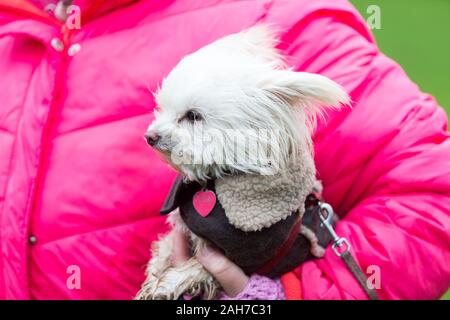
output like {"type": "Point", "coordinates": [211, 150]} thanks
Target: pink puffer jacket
{"type": "Point", "coordinates": [80, 191]}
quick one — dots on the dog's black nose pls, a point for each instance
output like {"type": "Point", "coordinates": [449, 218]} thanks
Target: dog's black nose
{"type": "Point", "coordinates": [152, 138]}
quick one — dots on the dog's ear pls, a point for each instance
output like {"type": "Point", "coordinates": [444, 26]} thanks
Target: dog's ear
{"type": "Point", "coordinates": [305, 89]}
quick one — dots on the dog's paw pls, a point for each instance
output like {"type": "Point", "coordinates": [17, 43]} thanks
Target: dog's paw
{"type": "Point", "coordinates": [154, 294]}
{"type": "Point", "coordinates": [152, 289]}
{"type": "Point", "coordinates": [169, 285]}
{"type": "Point", "coordinates": [174, 283]}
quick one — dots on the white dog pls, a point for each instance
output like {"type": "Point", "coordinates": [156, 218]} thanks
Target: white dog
{"type": "Point", "coordinates": [233, 113]}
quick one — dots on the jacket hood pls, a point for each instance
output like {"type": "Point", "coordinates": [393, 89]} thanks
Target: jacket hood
{"type": "Point", "coordinates": [89, 8]}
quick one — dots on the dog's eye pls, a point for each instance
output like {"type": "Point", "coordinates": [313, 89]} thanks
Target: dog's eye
{"type": "Point", "coordinates": [193, 116]}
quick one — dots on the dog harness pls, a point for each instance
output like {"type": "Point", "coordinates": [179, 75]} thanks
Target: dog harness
{"type": "Point", "coordinates": [272, 251]}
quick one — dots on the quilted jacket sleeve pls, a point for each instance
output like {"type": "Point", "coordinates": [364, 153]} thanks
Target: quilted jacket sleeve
{"type": "Point", "coordinates": [385, 166]}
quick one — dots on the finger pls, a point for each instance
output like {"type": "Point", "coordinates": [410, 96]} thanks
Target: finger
{"type": "Point", "coordinates": [180, 248]}
{"type": "Point", "coordinates": [232, 279]}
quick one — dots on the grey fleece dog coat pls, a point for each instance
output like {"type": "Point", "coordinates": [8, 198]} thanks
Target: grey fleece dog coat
{"type": "Point", "coordinates": [250, 250]}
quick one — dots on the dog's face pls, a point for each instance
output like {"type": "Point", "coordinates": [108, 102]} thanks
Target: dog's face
{"type": "Point", "coordinates": [232, 107]}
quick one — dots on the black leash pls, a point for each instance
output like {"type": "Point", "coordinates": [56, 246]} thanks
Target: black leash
{"type": "Point", "coordinates": [341, 247]}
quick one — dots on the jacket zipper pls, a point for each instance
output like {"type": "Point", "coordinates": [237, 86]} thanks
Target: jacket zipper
{"type": "Point", "coordinates": [58, 96]}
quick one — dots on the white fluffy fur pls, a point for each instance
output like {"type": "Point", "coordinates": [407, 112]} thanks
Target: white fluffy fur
{"type": "Point", "coordinates": [165, 282]}
{"type": "Point", "coordinates": [238, 84]}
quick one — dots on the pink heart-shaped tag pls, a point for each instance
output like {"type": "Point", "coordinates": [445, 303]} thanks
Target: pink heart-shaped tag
{"type": "Point", "coordinates": [204, 201]}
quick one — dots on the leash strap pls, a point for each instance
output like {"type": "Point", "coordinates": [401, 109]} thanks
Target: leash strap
{"type": "Point", "coordinates": [341, 247]}
{"type": "Point", "coordinates": [353, 267]}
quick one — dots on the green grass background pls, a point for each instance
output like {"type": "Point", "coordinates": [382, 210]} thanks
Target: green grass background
{"type": "Point", "coordinates": [416, 34]}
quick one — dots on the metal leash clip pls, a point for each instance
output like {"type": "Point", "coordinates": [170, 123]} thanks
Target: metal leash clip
{"type": "Point", "coordinates": [341, 248]}
{"type": "Point", "coordinates": [327, 222]}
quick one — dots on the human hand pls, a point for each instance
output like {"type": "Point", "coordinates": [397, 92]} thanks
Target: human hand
{"type": "Point", "coordinates": [232, 279]}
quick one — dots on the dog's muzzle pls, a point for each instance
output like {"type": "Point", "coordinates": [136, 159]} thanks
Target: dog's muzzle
{"type": "Point", "coordinates": [152, 138]}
